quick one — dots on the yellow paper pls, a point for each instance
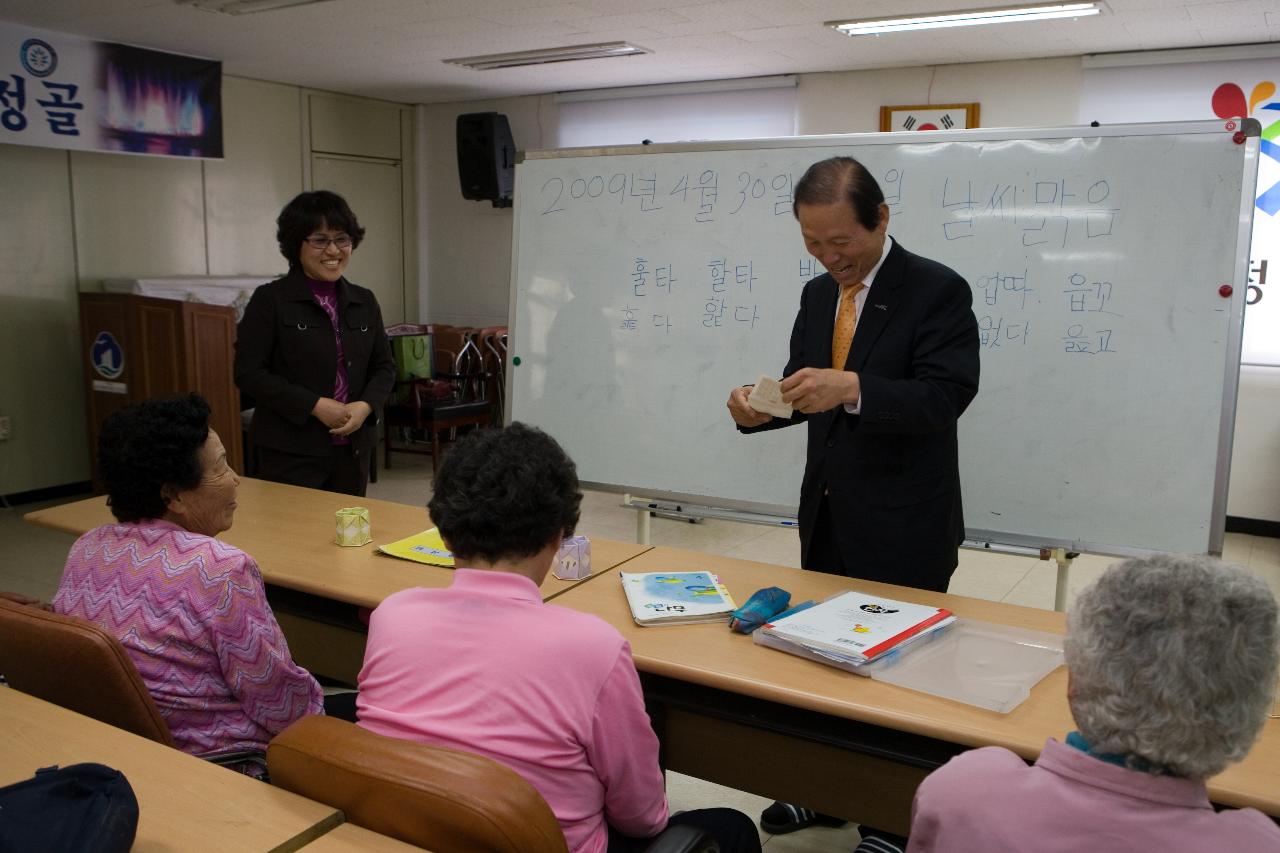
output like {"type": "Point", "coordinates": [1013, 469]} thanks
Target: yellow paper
{"type": "Point", "coordinates": [425, 547]}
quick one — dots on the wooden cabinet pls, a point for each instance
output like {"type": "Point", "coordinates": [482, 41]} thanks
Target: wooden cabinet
{"type": "Point", "coordinates": [137, 347]}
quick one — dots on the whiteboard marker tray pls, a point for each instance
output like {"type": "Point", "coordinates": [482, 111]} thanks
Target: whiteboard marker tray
{"type": "Point", "coordinates": [978, 663]}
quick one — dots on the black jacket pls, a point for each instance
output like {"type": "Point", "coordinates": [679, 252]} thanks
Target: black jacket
{"type": "Point", "coordinates": [891, 472]}
{"type": "Point", "coordinates": [286, 360]}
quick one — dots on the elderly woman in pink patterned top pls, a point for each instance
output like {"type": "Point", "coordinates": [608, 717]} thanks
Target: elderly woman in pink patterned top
{"type": "Point", "coordinates": [190, 610]}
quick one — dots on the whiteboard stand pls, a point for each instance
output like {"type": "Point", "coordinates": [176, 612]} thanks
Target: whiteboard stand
{"type": "Point", "coordinates": [1063, 558]}
{"type": "Point", "coordinates": [646, 508]}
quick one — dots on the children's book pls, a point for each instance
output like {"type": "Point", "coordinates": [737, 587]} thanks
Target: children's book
{"type": "Point", "coordinates": [425, 547]}
{"type": "Point", "coordinates": [849, 663]}
{"type": "Point", "coordinates": [676, 598]}
{"type": "Point", "coordinates": [858, 628]}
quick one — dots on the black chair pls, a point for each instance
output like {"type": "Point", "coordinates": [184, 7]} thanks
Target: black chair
{"type": "Point", "coordinates": [457, 397]}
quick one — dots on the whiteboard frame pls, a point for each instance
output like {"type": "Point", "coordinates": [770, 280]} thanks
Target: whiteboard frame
{"type": "Point", "coordinates": [1251, 130]}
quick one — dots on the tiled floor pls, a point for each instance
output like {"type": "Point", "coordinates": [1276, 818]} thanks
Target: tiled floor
{"type": "Point", "coordinates": [31, 561]}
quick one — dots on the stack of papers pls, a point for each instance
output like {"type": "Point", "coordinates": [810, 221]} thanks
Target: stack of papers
{"type": "Point", "coordinates": [425, 547]}
{"type": "Point", "coordinates": [852, 629]}
{"type": "Point", "coordinates": [676, 598]}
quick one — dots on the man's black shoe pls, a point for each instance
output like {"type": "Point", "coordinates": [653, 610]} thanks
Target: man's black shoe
{"type": "Point", "coordinates": [781, 818]}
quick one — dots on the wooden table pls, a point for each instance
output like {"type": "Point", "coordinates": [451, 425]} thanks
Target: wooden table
{"type": "Point", "coordinates": [350, 838]}
{"type": "Point", "coordinates": [183, 803]}
{"type": "Point", "coordinates": [315, 586]}
{"type": "Point", "coordinates": [784, 727]}
{"type": "Point", "coordinates": [289, 531]}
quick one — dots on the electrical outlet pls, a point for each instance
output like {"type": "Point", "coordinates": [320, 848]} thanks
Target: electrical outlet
{"type": "Point", "coordinates": [4, 427]}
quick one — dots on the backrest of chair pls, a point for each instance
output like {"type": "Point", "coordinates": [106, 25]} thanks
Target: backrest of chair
{"type": "Point", "coordinates": [399, 329]}
{"type": "Point", "coordinates": [448, 342]}
{"type": "Point", "coordinates": [495, 360]}
{"type": "Point", "coordinates": [75, 664]}
{"type": "Point", "coordinates": [469, 365]}
{"type": "Point", "coordinates": [445, 800]}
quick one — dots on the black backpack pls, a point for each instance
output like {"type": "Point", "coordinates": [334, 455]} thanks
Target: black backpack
{"type": "Point", "coordinates": [82, 808]}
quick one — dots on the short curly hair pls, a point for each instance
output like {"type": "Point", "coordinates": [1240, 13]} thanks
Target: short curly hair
{"type": "Point", "coordinates": [1173, 663]}
{"type": "Point", "coordinates": [308, 212]}
{"type": "Point", "coordinates": [150, 445]}
{"type": "Point", "coordinates": [505, 494]}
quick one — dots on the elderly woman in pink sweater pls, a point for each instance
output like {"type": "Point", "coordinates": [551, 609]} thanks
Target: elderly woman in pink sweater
{"type": "Point", "coordinates": [190, 610]}
{"type": "Point", "coordinates": [1171, 664]}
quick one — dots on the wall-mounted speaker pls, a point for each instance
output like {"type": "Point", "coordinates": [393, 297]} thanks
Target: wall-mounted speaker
{"type": "Point", "coordinates": [486, 158]}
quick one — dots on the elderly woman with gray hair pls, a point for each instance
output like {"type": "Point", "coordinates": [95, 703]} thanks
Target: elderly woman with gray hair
{"type": "Point", "coordinates": [1172, 665]}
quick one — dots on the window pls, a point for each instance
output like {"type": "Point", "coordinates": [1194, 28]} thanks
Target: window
{"type": "Point", "coordinates": [726, 109]}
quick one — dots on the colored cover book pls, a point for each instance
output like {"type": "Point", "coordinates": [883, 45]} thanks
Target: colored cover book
{"type": "Point", "coordinates": [857, 627]}
{"type": "Point", "coordinates": [676, 598]}
{"type": "Point", "coordinates": [425, 547]}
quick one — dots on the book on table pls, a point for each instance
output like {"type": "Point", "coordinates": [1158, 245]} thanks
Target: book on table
{"type": "Point", "coordinates": [676, 598]}
{"type": "Point", "coordinates": [855, 628]}
{"type": "Point", "coordinates": [425, 547]}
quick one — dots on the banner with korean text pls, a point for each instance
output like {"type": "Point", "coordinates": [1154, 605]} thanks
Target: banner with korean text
{"type": "Point", "coordinates": [66, 91]}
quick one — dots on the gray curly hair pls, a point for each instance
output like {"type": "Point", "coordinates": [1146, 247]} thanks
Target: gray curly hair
{"type": "Point", "coordinates": [1173, 663]}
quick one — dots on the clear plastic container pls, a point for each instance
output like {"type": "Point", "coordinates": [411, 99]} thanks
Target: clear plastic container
{"type": "Point", "coordinates": [979, 663]}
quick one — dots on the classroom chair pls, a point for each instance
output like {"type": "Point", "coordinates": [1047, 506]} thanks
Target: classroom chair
{"type": "Point", "coordinates": [76, 664]}
{"type": "Point", "coordinates": [457, 396]}
{"type": "Point", "coordinates": [445, 800]}
{"type": "Point", "coordinates": [492, 342]}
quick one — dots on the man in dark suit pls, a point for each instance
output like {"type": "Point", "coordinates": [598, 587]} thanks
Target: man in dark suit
{"type": "Point", "coordinates": [884, 360]}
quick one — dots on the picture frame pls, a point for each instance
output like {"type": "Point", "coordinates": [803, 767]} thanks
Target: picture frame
{"type": "Point", "coordinates": [904, 117]}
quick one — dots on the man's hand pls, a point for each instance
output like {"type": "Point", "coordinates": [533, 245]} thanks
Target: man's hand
{"type": "Point", "coordinates": [330, 412]}
{"type": "Point", "coordinates": [357, 412]}
{"type": "Point", "coordinates": [743, 414]}
{"type": "Point", "coordinates": [814, 389]}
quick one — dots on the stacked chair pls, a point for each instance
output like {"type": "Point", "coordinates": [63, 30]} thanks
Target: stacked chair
{"type": "Point", "coordinates": [444, 381]}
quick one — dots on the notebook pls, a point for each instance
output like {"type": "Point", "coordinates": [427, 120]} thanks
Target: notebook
{"type": "Point", "coordinates": [676, 598]}
{"type": "Point", "coordinates": [425, 547]}
{"type": "Point", "coordinates": [856, 627]}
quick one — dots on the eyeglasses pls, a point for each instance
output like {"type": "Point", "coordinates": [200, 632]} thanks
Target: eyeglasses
{"type": "Point", "coordinates": [316, 241]}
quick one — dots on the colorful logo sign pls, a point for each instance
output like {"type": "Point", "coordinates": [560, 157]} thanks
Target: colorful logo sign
{"type": "Point", "coordinates": [1229, 102]}
{"type": "Point", "coordinates": [106, 356]}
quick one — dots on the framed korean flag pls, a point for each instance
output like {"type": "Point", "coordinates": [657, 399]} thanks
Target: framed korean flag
{"type": "Point", "coordinates": [929, 117]}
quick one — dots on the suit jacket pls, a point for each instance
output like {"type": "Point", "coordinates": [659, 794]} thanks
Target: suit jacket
{"type": "Point", "coordinates": [286, 360]}
{"type": "Point", "coordinates": [891, 472]}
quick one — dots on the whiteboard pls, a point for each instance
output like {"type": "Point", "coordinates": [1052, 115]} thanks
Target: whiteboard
{"type": "Point", "coordinates": [648, 281]}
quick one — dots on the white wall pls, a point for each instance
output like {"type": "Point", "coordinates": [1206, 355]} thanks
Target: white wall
{"type": "Point", "coordinates": [1035, 93]}
{"type": "Point", "coordinates": [1255, 457]}
{"type": "Point", "coordinates": [466, 245]}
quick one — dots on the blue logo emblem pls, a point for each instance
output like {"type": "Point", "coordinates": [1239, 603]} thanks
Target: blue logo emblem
{"type": "Point", "coordinates": [106, 356]}
{"type": "Point", "coordinates": [38, 57]}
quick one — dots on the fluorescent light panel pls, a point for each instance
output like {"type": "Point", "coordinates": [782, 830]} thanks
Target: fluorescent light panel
{"type": "Point", "coordinates": [244, 7]}
{"type": "Point", "coordinates": [572, 53]}
{"type": "Point", "coordinates": [967, 18]}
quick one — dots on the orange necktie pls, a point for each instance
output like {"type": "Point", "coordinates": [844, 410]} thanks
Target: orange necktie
{"type": "Point", "coordinates": [846, 321]}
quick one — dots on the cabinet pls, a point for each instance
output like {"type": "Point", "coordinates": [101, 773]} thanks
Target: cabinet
{"type": "Point", "coordinates": [136, 347]}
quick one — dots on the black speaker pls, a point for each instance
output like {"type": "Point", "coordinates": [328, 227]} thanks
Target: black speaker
{"type": "Point", "coordinates": [486, 158]}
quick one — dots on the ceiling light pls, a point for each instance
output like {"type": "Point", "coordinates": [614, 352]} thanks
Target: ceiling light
{"type": "Point", "coordinates": [244, 7]}
{"type": "Point", "coordinates": [967, 18]}
{"type": "Point", "coordinates": [552, 54]}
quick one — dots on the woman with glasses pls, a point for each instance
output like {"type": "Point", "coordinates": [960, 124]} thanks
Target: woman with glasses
{"type": "Point", "coordinates": [313, 355]}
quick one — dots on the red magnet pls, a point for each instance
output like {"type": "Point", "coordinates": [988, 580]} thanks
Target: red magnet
{"type": "Point", "coordinates": [1238, 137]}
{"type": "Point", "coordinates": [1225, 291]}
